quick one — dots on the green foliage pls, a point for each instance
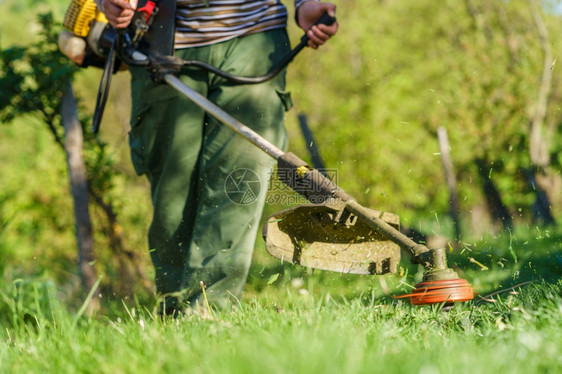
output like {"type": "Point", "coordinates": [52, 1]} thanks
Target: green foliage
{"type": "Point", "coordinates": [403, 69]}
{"type": "Point", "coordinates": [33, 80]}
{"type": "Point", "coordinates": [33, 77]}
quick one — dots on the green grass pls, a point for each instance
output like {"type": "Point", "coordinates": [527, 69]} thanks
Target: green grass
{"type": "Point", "coordinates": [521, 332]}
{"type": "Point", "coordinates": [302, 321]}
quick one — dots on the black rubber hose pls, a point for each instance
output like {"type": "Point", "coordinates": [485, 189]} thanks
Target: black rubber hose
{"type": "Point", "coordinates": [325, 19]}
{"type": "Point", "coordinates": [103, 91]}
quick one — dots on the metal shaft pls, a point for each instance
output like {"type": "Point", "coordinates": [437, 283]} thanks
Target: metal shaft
{"type": "Point", "coordinates": [253, 137]}
{"type": "Point", "coordinates": [384, 228]}
{"type": "Point", "coordinates": [237, 126]}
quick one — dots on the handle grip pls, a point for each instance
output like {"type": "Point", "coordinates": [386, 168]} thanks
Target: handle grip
{"type": "Point", "coordinates": [326, 19]}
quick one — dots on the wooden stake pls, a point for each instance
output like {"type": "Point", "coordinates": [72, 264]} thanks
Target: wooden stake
{"type": "Point", "coordinates": [79, 188]}
{"type": "Point", "coordinates": [444, 148]}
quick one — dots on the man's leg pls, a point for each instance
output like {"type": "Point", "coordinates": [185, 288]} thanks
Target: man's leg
{"type": "Point", "coordinates": [165, 138]}
{"type": "Point", "coordinates": [233, 172]}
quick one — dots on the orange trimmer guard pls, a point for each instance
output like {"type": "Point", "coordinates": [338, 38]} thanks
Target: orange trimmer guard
{"type": "Point", "coordinates": [440, 291]}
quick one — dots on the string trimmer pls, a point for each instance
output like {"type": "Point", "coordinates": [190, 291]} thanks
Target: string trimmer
{"type": "Point", "coordinates": [333, 233]}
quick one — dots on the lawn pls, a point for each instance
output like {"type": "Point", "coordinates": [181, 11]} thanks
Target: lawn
{"type": "Point", "coordinates": [296, 321]}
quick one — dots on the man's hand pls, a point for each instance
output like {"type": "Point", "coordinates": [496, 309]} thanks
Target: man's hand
{"type": "Point", "coordinates": [310, 12]}
{"type": "Point", "coordinates": [119, 13]}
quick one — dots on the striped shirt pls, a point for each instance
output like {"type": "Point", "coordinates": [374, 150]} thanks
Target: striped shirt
{"type": "Point", "coordinates": [204, 22]}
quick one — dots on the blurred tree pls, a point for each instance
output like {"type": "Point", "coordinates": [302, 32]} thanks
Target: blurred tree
{"type": "Point", "coordinates": [35, 80]}
{"type": "Point", "coordinates": [474, 67]}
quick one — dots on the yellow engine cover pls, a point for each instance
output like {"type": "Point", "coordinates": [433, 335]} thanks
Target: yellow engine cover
{"type": "Point", "coordinates": [79, 16]}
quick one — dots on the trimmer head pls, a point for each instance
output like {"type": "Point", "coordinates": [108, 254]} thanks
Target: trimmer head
{"type": "Point", "coordinates": [320, 237]}
{"type": "Point", "coordinates": [314, 236]}
{"type": "Point", "coordinates": [440, 291]}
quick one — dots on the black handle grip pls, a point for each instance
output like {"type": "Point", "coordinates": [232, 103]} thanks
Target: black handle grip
{"type": "Point", "coordinates": [326, 19]}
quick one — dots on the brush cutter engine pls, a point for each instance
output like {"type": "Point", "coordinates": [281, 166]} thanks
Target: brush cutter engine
{"type": "Point", "coordinates": [88, 37]}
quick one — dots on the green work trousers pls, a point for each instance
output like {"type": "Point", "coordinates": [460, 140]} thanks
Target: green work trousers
{"type": "Point", "coordinates": [208, 184]}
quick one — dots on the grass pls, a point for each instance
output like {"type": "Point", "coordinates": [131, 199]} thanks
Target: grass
{"type": "Point", "coordinates": [310, 322]}
{"type": "Point", "coordinates": [518, 333]}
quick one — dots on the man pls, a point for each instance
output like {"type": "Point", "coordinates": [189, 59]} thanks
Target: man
{"type": "Point", "coordinates": [201, 230]}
